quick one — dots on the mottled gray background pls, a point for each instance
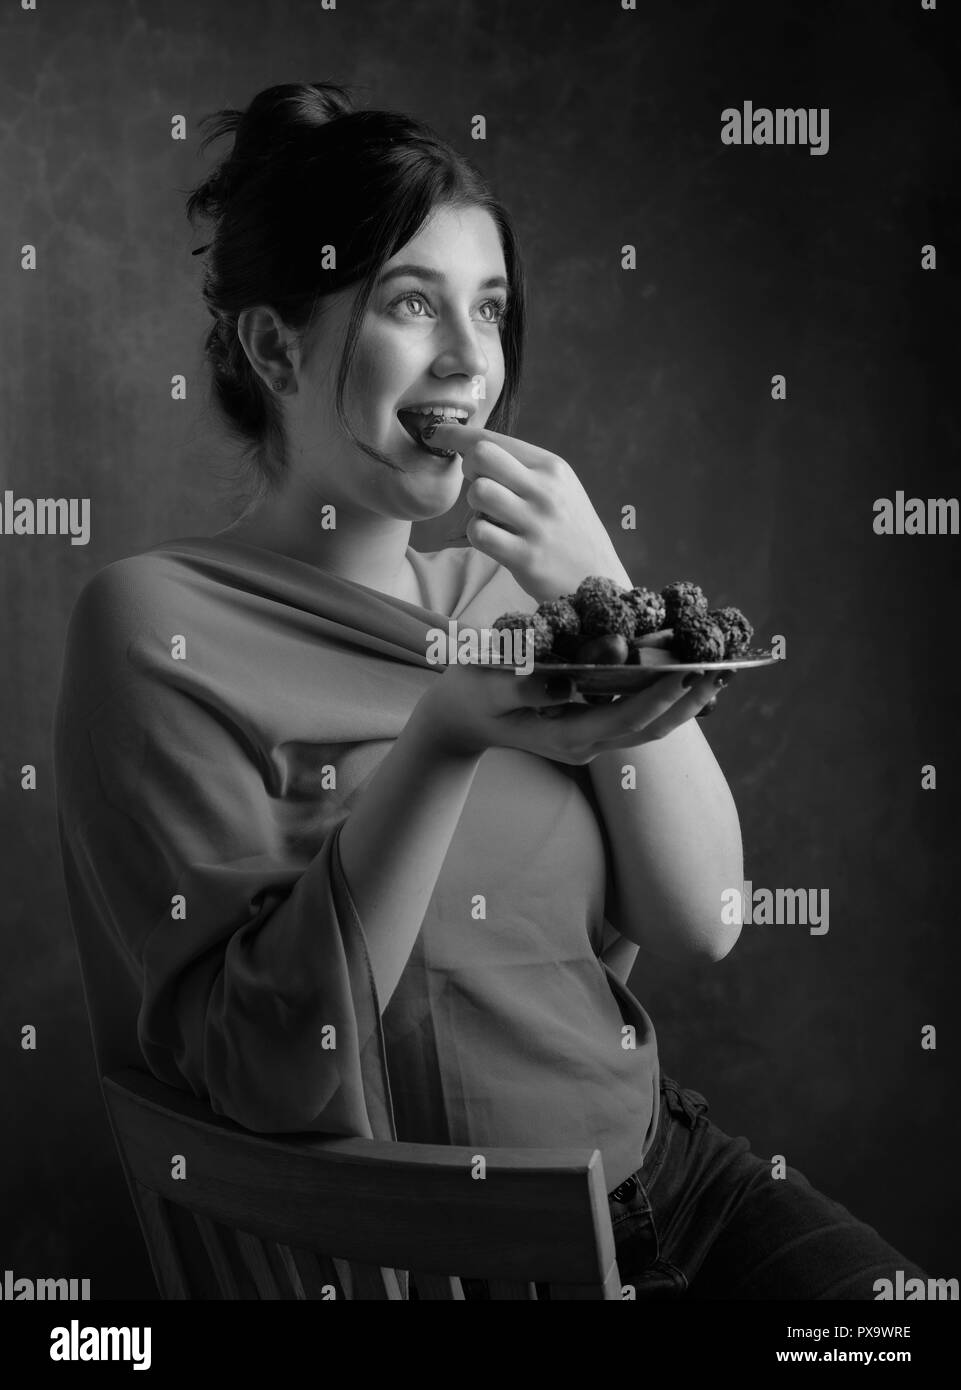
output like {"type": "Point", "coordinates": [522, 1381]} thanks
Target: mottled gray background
{"type": "Point", "coordinates": [603, 128]}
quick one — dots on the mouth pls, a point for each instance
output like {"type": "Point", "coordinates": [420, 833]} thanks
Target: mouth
{"type": "Point", "coordinates": [415, 419]}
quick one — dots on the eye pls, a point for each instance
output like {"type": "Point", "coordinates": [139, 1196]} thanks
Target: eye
{"type": "Point", "coordinates": [497, 305]}
{"type": "Point", "coordinates": [408, 297]}
{"type": "Point", "coordinates": [500, 309]}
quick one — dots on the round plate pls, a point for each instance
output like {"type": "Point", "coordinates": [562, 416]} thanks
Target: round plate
{"type": "Point", "coordinates": [625, 680]}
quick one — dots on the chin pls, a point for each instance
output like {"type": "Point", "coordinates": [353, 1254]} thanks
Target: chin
{"type": "Point", "coordinates": [424, 504]}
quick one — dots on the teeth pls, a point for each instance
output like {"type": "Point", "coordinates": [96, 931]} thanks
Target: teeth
{"type": "Point", "coordinates": [446, 412]}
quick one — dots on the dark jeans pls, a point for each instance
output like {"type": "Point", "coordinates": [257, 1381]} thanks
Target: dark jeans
{"type": "Point", "coordinates": [709, 1221]}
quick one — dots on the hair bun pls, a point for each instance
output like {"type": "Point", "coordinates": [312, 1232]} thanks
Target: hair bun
{"type": "Point", "coordinates": [276, 118]}
{"type": "Point", "coordinates": [278, 115]}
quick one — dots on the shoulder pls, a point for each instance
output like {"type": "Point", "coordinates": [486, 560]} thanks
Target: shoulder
{"type": "Point", "coordinates": [121, 669]}
{"type": "Point", "coordinates": [124, 620]}
{"type": "Point", "coordinates": [123, 594]}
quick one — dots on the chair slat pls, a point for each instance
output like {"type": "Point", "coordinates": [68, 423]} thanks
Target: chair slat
{"type": "Point", "coordinates": [258, 1265]}
{"type": "Point", "coordinates": [168, 1269]}
{"type": "Point", "coordinates": [318, 1274]}
{"type": "Point", "coordinates": [216, 1249]}
{"type": "Point", "coordinates": [345, 1278]}
{"type": "Point", "coordinates": [438, 1286]}
{"type": "Point", "coordinates": [292, 1273]}
{"type": "Point", "coordinates": [513, 1289]}
{"type": "Point", "coordinates": [374, 1282]}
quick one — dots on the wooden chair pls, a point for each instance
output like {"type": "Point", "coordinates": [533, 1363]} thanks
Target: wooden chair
{"type": "Point", "coordinates": [311, 1217]}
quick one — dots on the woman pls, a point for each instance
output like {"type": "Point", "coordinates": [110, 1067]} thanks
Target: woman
{"type": "Point", "coordinates": [328, 885]}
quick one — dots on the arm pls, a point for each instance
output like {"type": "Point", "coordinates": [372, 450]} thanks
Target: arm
{"type": "Point", "coordinates": [263, 990]}
{"type": "Point", "coordinates": [675, 840]}
{"type": "Point", "coordinates": [396, 838]}
{"type": "Point", "coordinates": [675, 844]}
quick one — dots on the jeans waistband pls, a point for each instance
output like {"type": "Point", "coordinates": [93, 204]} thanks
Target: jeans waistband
{"type": "Point", "coordinates": [673, 1101]}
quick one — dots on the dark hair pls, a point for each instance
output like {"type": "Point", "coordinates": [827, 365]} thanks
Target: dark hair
{"type": "Point", "coordinates": [307, 169]}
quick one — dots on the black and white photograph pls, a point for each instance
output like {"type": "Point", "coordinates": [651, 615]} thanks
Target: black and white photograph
{"type": "Point", "coordinates": [479, 771]}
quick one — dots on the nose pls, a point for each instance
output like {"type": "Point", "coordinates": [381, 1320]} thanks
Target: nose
{"type": "Point", "coordinates": [461, 351]}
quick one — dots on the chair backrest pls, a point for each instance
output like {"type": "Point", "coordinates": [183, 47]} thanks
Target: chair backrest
{"type": "Point", "coordinates": [226, 1213]}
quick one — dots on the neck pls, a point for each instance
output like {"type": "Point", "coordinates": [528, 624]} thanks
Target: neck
{"type": "Point", "coordinates": [363, 546]}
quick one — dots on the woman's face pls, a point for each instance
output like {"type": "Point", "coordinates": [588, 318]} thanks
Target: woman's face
{"type": "Point", "coordinates": [430, 336]}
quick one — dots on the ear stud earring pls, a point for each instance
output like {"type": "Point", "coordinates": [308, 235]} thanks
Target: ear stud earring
{"type": "Point", "coordinates": [279, 383]}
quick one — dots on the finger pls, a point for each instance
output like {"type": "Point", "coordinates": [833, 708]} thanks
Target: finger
{"type": "Point", "coordinates": [609, 723]}
{"type": "Point", "coordinates": [447, 436]}
{"type": "Point", "coordinates": [702, 690]}
{"type": "Point", "coordinates": [601, 699]}
{"type": "Point", "coordinates": [491, 538]}
{"type": "Point", "coordinates": [495, 502]}
{"type": "Point", "coordinates": [539, 690]}
{"type": "Point", "coordinates": [556, 701]}
{"type": "Point", "coordinates": [485, 459]}
{"type": "Point", "coordinates": [724, 678]}
{"type": "Point", "coordinates": [482, 458]}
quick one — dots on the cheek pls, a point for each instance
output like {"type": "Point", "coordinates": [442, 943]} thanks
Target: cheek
{"type": "Point", "coordinates": [380, 366]}
{"type": "Point", "coordinates": [495, 385]}
{"type": "Point", "coordinates": [497, 373]}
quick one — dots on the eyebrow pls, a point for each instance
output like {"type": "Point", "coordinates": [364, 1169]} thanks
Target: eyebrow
{"type": "Point", "coordinates": [426, 273]}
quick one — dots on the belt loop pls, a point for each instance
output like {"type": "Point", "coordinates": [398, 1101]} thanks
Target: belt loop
{"type": "Point", "coordinates": [624, 1191]}
{"type": "Point", "coordinates": [676, 1092]}
{"type": "Point", "coordinates": [693, 1110]}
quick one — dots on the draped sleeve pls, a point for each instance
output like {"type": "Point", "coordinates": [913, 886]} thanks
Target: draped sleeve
{"type": "Point", "coordinates": [190, 888]}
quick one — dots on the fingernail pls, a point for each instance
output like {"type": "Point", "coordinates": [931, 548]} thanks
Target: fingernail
{"type": "Point", "coordinates": [722, 680]}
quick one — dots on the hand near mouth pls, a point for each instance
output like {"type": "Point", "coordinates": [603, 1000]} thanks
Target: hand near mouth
{"type": "Point", "coordinates": [531, 513]}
